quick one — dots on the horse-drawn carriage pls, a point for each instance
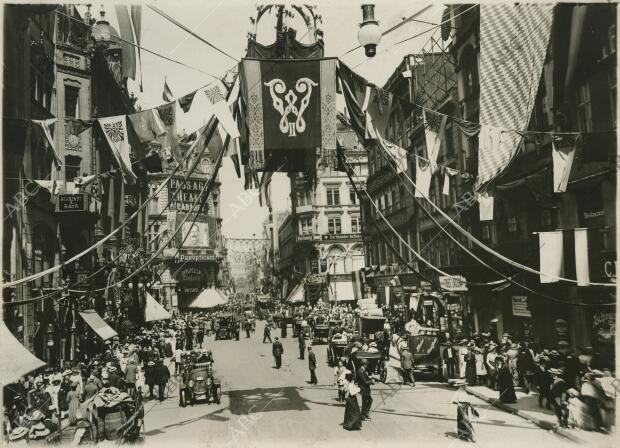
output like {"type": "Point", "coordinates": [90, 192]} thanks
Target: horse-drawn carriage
{"type": "Point", "coordinates": [225, 326]}
{"type": "Point", "coordinates": [337, 345]}
{"type": "Point", "coordinates": [376, 366]}
{"type": "Point", "coordinates": [321, 333]}
{"type": "Point", "coordinates": [203, 384]}
{"type": "Point", "coordinates": [110, 415]}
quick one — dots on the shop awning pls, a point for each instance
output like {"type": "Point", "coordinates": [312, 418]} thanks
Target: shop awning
{"type": "Point", "coordinates": [209, 298]}
{"type": "Point", "coordinates": [98, 325]}
{"type": "Point", "coordinates": [297, 295]}
{"type": "Point", "coordinates": [15, 360]}
{"type": "Point", "coordinates": [154, 311]}
{"type": "Point", "coordinates": [341, 291]}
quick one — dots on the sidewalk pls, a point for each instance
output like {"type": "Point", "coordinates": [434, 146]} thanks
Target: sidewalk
{"type": "Point", "coordinates": [527, 408]}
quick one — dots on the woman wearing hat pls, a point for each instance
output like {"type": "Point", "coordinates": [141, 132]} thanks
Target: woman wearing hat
{"type": "Point", "coordinates": [505, 382]}
{"type": "Point", "coordinates": [470, 365]}
{"type": "Point", "coordinates": [559, 397]}
{"type": "Point", "coordinates": [352, 413]}
{"type": "Point", "coordinates": [73, 397]}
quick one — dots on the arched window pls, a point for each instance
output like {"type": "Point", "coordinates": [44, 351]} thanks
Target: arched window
{"type": "Point", "coordinates": [357, 257]}
{"type": "Point", "coordinates": [336, 260]}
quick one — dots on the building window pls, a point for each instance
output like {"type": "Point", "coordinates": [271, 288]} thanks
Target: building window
{"type": "Point", "coordinates": [154, 203]}
{"type": "Point", "coordinates": [352, 196]}
{"type": "Point", "coordinates": [72, 102]}
{"type": "Point", "coordinates": [584, 107]}
{"type": "Point", "coordinates": [73, 166]}
{"type": "Point", "coordinates": [355, 224]}
{"type": "Point", "coordinates": [306, 226]}
{"type": "Point", "coordinates": [333, 225]}
{"type": "Point", "coordinates": [612, 95]}
{"type": "Point", "coordinates": [333, 196]}
{"type": "Point", "coordinates": [511, 223]}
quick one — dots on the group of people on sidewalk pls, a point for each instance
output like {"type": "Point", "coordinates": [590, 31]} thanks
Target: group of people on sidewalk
{"type": "Point", "coordinates": [570, 385]}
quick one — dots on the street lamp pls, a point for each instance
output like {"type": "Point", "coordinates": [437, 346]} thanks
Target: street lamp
{"type": "Point", "coordinates": [369, 34]}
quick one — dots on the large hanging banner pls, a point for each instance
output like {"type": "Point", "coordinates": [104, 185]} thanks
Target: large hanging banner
{"type": "Point", "coordinates": [513, 46]}
{"type": "Point", "coordinates": [290, 111]}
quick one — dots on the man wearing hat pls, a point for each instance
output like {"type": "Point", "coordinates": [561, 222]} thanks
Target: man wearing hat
{"type": "Point", "coordinates": [90, 388]}
{"type": "Point", "coordinates": [312, 366]}
{"type": "Point", "coordinates": [162, 375]}
{"type": "Point", "coordinates": [150, 377]}
{"type": "Point", "coordinates": [406, 364]}
{"type": "Point", "coordinates": [302, 344]}
{"type": "Point", "coordinates": [41, 399]}
{"type": "Point", "coordinates": [559, 396]}
{"type": "Point", "coordinates": [364, 382]}
{"type": "Point", "coordinates": [114, 378]}
{"type": "Point", "coordinates": [131, 373]}
{"type": "Point", "coordinates": [277, 350]}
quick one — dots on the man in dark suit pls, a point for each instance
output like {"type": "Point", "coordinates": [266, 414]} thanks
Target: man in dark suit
{"type": "Point", "coordinates": [163, 376]}
{"type": "Point", "coordinates": [312, 365]}
{"type": "Point", "coordinates": [267, 333]}
{"type": "Point", "coordinates": [114, 378]}
{"type": "Point", "coordinates": [302, 345]}
{"type": "Point", "coordinates": [364, 382]}
{"type": "Point", "coordinates": [277, 351]}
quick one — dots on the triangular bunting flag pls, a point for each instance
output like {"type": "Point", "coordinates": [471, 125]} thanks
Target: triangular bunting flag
{"type": "Point", "coordinates": [46, 126]}
{"type": "Point", "coordinates": [186, 101]}
{"type": "Point", "coordinates": [219, 107]}
{"type": "Point", "coordinates": [148, 125]}
{"type": "Point", "coordinates": [167, 94]}
{"type": "Point", "coordinates": [168, 115]}
{"type": "Point", "coordinates": [434, 125]}
{"type": "Point", "coordinates": [563, 155]}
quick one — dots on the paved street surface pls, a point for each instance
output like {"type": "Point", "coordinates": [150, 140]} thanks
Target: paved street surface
{"type": "Point", "coordinates": [262, 405]}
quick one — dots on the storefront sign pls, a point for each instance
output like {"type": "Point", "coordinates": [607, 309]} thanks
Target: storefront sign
{"type": "Point", "coordinates": [561, 329]}
{"type": "Point", "coordinates": [519, 306]}
{"type": "Point", "coordinates": [341, 236]}
{"type": "Point", "coordinates": [308, 238]}
{"type": "Point", "coordinates": [189, 289]}
{"type": "Point", "coordinates": [198, 257]}
{"type": "Point", "coordinates": [189, 194]}
{"type": "Point", "coordinates": [454, 308]}
{"type": "Point", "coordinates": [387, 280]}
{"type": "Point", "coordinates": [191, 274]}
{"type": "Point", "coordinates": [71, 203]}
{"type": "Point", "coordinates": [453, 283]}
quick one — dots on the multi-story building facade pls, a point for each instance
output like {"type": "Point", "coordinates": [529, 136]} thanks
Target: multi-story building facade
{"type": "Point", "coordinates": [569, 313]}
{"type": "Point", "coordinates": [56, 67]}
{"type": "Point", "coordinates": [191, 262]}
{"type": "Point", "coordinates": [323, 234]}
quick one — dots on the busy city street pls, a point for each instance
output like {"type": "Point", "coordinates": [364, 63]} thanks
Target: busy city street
{"type": "Point", "coordinates": [263, 405]}
{"type": "Point", "coordinates": [341, 223]}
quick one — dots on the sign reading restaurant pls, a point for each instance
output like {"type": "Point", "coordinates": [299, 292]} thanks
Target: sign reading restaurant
{"type": "Point", "coordinates": [189, 194]}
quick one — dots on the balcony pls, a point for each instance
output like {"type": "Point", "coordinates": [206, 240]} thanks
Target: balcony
{"type": "Point", "coordinates": [301, 209]}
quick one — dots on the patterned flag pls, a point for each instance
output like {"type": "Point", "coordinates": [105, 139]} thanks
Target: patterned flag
{"type": "Point", "coordinates": [128, 43]}
{"type": "Point", "coordinates": [167, 95]}
{"type": "Point", "coordinates": [115, 131]}
{"type": "Point", "coordinates": [168, 116]}
{"type": "Point", "coordinates": [186, 101]}
{"type": "Point", "coordinates": [218, 106]}
{"type": "Point", "coordinates": [513, 46]}
{"type": "Point", "coordinates": [398, 154]}
{"type": "Point", "coordinates": [147, 125]}
{"type": "Point", "coordinates": [291, 109]}
{"type": "Point", "coordinates": [378, 106]}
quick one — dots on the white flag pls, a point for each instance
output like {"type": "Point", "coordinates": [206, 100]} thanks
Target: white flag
{"type": "Point", "coordinates": [115, 131]}
{"type": "Point", "coordinates": [551, 247]}
{"type": "Point", "coordinates": [434, 125]}
{"type": "Point", "coordinates": [221, 109]}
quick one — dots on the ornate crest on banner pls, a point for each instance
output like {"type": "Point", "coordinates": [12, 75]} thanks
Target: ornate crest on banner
{"type": "Point", "coordinates": [214, 94]}
{"type": "Point", "coordinates": [302, 86]}
{"type": "Point", "coordinates": [432, 121]}
{"type": "Point", "coordinates": [115, 131]}
{"type": "Point", "coordinates": [383, 99]}
{"type": "Point", "coordinates": [166, 114]}
{"type": "Point", "coordinates": [565, 142]}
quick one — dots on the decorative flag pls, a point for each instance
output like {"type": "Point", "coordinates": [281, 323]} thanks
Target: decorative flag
{"type": "Point", "coordinates": [485, 204]}
{"type": "Point", "coordinates": [221, 109]}
{"type": "Point", "coordinates": [83, 181]}
{"type": "Point", "coordinates": [563, 154]}
{"type": "Point", "coordinates": [168, 115]}
{"type": "Point", "coordinates": [265, 189]}
{"type": "Point", "coordinates": [434, 125]}
{"type": "Point", "coordinates": [47, 128]}
{"type": "Point", "coordinates": [551, 246]}
{"type": "Point", "coordinates": [468, 128]}
{"type": "Point", "coordinates": [167, 95]}
{"type": "Point", "coordinates": [127, 43]}
{"type": "Point", "coordinates": [154, 311]}
{"type": "Point", "coordinates": [75, 126]}
{"type": "Point", "coordinates": [387, 296]}
{"type": "Point", "coordinates": [582, 267]}
{"type": "Point", "coordinates": [186, 101]}
{"type": "Point", "coordinates": [115, 131]}
{"type": "Point", "coordinates": [513, 47]}
{"type": "Point", "coordinates": [377, 105]}
{"type": "Point", "coordinates": [148, 125]}
{"type": "Point", "coordinates": [423, 177]}
{"type": "Point", "coordinates": [291, 107]}
{"type": "Point", "coordinates": [136, 19]}
{"type": "Point", "coordinates": [446, 180]}
{"type": "Point", "coordinates": [398, 154]}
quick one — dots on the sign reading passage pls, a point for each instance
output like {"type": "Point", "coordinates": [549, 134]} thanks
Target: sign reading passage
{"type": "Point", "coordinates": [519, 306]}
{"type": "Point", "coordinates": [454, 283]}
{"type": "Point", "coordinates": [71, 203]}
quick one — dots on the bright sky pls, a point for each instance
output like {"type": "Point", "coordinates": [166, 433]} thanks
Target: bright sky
{"type": "Point", "coordinates": [225, 23]}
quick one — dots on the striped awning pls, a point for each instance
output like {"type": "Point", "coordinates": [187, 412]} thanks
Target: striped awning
{"type": "Point", "coordinates": [98, 325]}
